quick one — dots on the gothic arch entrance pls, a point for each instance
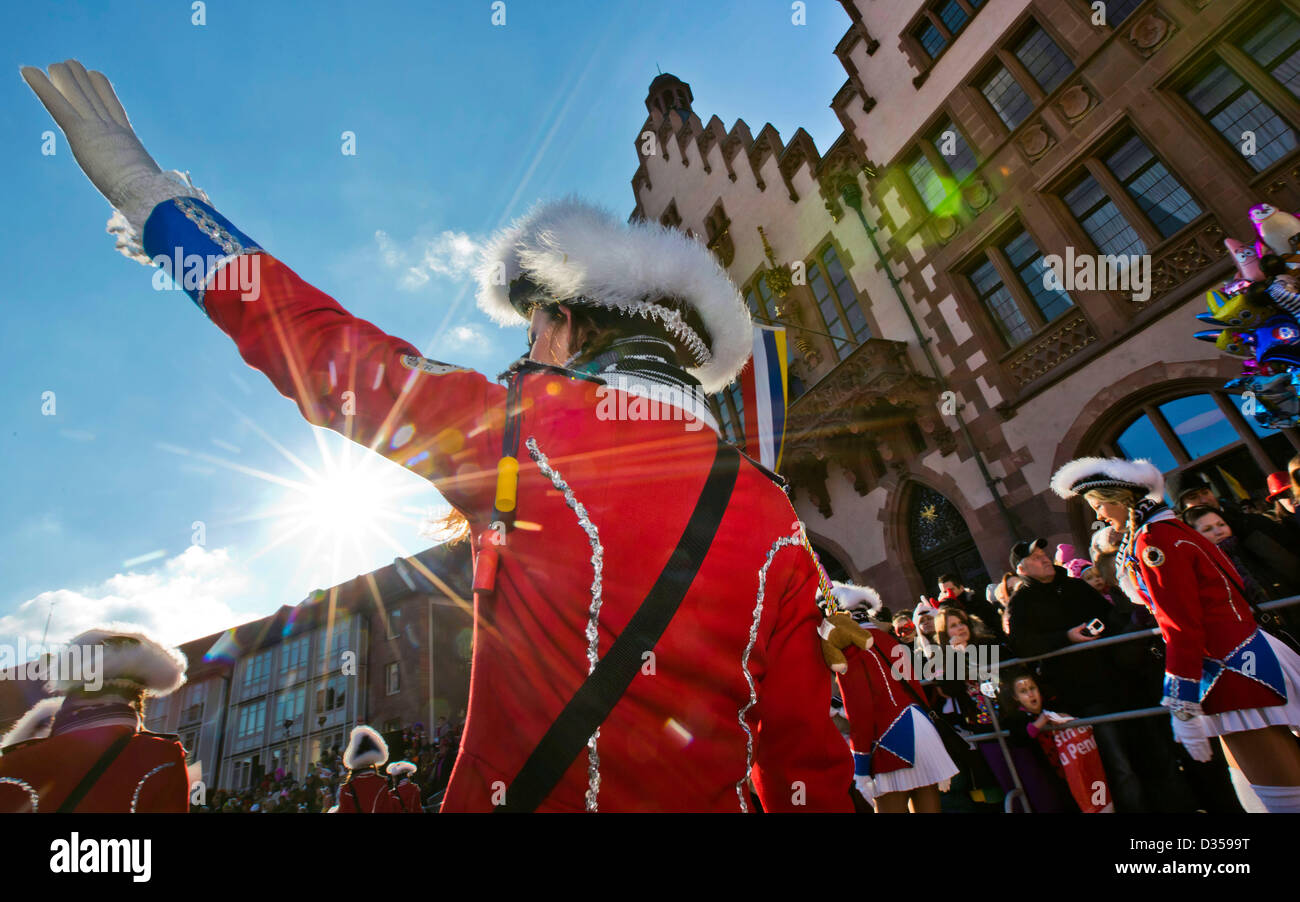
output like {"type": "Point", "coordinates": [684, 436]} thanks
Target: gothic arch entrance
{"type": "Point", "coordinates": [940, 542]}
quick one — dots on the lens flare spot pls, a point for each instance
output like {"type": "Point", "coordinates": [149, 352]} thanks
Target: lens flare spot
{"type": "Point", "coordinates": [678, 732]}
{"type": "Point", "coordinates": [402, 435]}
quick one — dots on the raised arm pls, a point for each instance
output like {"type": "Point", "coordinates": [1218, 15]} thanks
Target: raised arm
{"type": "Point", "coordinates": [441, 421]}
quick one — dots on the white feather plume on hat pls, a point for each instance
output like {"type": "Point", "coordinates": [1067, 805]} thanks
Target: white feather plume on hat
{"type": "Point", "coordinates": [365, 748]}
{"type": "Point", "coordinates": [1085, 473]}
{"type": "Point", "coordinates": [851, 596]}
{"type": "Point", "coordinates": [133, 657]}
{"type": "Point", "coordinates": [400, 768]}
{"type": "Point", "coordinates": [35, 724]}
{"type": "Point", "coordinates": [578, 252]}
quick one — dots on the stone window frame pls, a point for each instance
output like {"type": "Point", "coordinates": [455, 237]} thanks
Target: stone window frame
{"type": "Point", "coordinates": [921, 145]}
{"type": "Point", "coordinates": [1003, 56]}
{"type": "Point", "coordinates": [1223, 47]}
{"type": "Point", "coordinates": [1090, 160]}
{"type": "Point", "coordinates": [919, 57]}
{"type": "Point", "coordinates": [989, 331]}
{"type": "Point", "coordinates": [814, 259]}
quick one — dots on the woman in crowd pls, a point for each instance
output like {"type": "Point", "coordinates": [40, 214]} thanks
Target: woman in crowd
{"type": "Point", "coordinates": [1224, 676]}
{"type": "Point", "coordinates": [1263, 579]}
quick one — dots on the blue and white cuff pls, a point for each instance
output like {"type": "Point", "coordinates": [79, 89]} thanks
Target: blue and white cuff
{"type": "Point", "coordinates": [190, 241]}
{"type": "Point", "coordinates": [1182, 694]}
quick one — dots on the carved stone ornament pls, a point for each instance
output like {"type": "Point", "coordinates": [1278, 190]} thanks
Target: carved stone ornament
{"type": "Point", "coordinates": [1036, 140]}
{"type": "Point", "coordinates": [945, 227]}
{"type": "Point", "coordinates": [977, 195]}
{"type": "Point", "coordinates": [1075, 101]}
{"type": "Point", "coordinates": [1149, 32]}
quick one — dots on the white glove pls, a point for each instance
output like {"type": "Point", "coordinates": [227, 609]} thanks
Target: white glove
{"type": "Point", "coordinates": [867, 786]}
{"type": "Point", "coordinates": [1193, 737]}
{"type": "Point", "coordinates": [105, 146]}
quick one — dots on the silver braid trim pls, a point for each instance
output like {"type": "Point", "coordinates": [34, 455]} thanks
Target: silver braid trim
{"type": "Point", "coordinates": [135, 796]}
{"type": "Point", "coordinates": [25, 787]}
{"type": "Point", "coordinates": [592, 632]}
{"type": "Point", "coordinates": [744, 664]}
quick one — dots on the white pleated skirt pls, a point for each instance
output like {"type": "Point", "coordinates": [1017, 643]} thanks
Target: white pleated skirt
{"type": "Point", "coordinates": [933, 763]}
{"type": "Point", "coordinates": [1284, 715]}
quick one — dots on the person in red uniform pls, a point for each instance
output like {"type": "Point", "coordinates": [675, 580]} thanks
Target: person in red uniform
{"type": "Point", "coordinates": [1224, 676]}
{"type": "Point", "coordinates": [94, 755]}
{"type": "Point", "coordinates": [365, 791]}
{"type": "Point", "coordinates": [406, 794]}
{"type": "Point", "coordinates": [610, 443]}
{"type": "Point", "coordinates": [897, 754]}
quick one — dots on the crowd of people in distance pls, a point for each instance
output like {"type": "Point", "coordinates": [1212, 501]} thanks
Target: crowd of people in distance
{"type": "Point", "coordinates": [1048, 601]}
{"type": "Point", "coordinates": [433, 753]}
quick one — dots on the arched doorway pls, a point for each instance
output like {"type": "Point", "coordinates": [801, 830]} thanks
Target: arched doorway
{"type": "Point", "coordinates": [831, 564]}
{"type": "Point", "coordinates": [940, 541]}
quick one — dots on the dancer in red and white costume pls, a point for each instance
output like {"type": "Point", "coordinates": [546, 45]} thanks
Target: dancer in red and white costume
{"type": "Point", "coordinates": [1224, 676]}
{"type": "Point", "coordinates": [406, 793]}
{"type": "Point", "coordinates": [365, 791]}
{"type": "Point", "coordinates": [609, 442]}
{"type": "Point", "coordinates": [86, 750]}
{"type": "Point", "coordinates": [897, 754]}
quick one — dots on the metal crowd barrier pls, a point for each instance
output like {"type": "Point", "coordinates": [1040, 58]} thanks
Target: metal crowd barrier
{"type": "Point", "coordinates": [1000, 735]}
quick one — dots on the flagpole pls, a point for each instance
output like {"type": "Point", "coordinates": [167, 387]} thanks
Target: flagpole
{"type": "Point", "coordinates": [777, 322]}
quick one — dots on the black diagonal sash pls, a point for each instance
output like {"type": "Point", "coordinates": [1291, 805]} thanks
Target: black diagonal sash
{"type": "Point", "coordinates": [594, 700]}
{"type": "Point", "coordinates": [96, 771]}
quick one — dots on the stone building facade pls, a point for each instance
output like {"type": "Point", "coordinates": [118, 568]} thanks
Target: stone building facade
{"type": "Point", "coordinates": [938, 388]}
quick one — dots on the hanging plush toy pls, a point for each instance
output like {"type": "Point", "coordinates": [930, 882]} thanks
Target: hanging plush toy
{"type": "Point", "coordinates": [1255, 317]}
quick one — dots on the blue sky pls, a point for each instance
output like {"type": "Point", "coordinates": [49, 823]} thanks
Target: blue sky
{"type": "Point", "coordinates": [460, 125]}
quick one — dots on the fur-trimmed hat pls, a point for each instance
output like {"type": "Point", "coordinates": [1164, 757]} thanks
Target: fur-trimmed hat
{"type": "Point", "coordinates": [400, 769]}
{"type": "Point", "coordinates": [366, 748]}
{"type": "Point", "coordinates": [1087, 473]}
{"type": "Point", "coordinates": [132, 657]}
{"type": "Point", "coordinates": [35, 724]}
{"type": "Point", "coordinates": [851, 597]}
{"type": "Point", "coordinates": [574, 252]}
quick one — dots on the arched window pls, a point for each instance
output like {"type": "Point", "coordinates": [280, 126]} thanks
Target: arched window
{"type": "Point", "coordinates": [1204, 433]}
{"type": "Point", "coordinates": [940, 541]}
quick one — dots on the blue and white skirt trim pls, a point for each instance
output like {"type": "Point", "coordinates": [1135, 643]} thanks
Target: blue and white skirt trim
{"type": "Point", "coordinates": [931, 763]}
{"type": "Point", "coordinates": [1283, 715]}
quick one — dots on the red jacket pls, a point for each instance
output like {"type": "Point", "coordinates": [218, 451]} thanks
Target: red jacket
{"type": "Point", "coordinates": [372, 795]}
{"type": "Point", "coordinates": [874, 699]}
{"type": "Point", "coordinates": [407, 798]}
{"type": "Point", "coordinates": [1215, 656]}
{"type": "Point", "coordinates": [686, 733]}
{"type": "Point", "coordinates": [147, 776]}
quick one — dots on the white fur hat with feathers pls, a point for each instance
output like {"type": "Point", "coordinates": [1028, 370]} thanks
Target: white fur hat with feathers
{"type": "Point", "coordinates": [400, 769]}
{"type": "Point", "coordinates": [132, 657]}
{"type": "Point", "coordinates": [1086, 473]}
{"type": "Point", "coordinates": [850, 597]}
{"type": "Point", "coordinates": [35, 724]}
{"type": "Point", "coordinates": [366, 748]}
{"type": "Point", "coordinates": [576, 252]}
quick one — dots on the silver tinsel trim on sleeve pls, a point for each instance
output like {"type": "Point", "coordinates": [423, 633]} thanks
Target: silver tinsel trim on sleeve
{"type": "Point", "coordinates": [135, 796]}
{"type": "Point", "coordinates": [592, 633]}
{"type": "Point", "coordinates": [25, 787]}
{"type": "Point", "coordinates": [744, 665]}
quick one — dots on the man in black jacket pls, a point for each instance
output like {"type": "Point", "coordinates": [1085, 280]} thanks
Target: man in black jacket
{"type": "Point", "coordinates": [1053, 611]}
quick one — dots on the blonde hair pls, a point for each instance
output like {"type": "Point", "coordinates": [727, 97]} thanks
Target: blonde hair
{"type": "Point", "coordinates": [1116, 495]}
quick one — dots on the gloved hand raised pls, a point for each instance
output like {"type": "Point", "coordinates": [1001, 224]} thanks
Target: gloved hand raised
{"type": "Point", "coordinates": [106, 147]}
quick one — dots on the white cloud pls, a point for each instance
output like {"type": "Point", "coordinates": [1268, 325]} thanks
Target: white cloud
{"type": "Point", "coordinates": [450, 255]}
{"type": "Point", "coordinates": [193, 594]}
{"type": "Point", "coordinates": [465, 336]}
